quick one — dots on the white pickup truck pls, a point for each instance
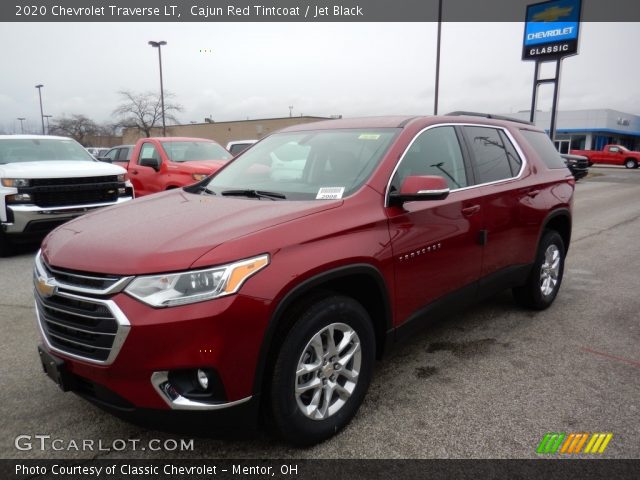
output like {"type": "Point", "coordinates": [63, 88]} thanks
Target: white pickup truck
{"type": "Point", "coordinates": [47, 180]}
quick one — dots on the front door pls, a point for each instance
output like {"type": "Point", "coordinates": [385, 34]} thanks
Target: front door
{"type": "Point", "coordinates": [436, 243]}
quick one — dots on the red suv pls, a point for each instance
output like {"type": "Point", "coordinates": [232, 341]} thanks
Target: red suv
{"type": "Point", "coordinates": [272, 286]}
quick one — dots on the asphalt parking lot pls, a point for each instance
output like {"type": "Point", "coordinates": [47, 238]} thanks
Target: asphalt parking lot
{"type": "Point", "coordinates": [488, 383]}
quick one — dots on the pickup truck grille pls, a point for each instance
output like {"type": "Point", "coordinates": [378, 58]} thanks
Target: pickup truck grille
{"type": "Point", "coordinates": [62, 192]}
{"type": "Point", "coordinates": [48, 182]}
{"type": "Point", "coordinates": [75, 317]}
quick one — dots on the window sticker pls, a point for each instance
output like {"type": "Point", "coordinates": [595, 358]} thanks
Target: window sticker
{"type": "Point", "coordinates": [369, 136]}
{"type": "Point", "coordinates": [330, 193]}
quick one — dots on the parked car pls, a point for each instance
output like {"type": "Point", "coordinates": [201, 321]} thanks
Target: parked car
{"type": "Point", "coordinates": [165, 163]}
{"type": "Point", "coordinates": [47, 180]}
{"type": "Point", "coordinates": [238, 146]}
{"type": "Point", "coordinates": [255, 293]}
{"type": "Point", "coordinates": [577, 164]}
{"type": "Point", "coordinates": [121, 153]}
{"type": "Point", "coordinates": [611, 155]}
{"type": "Point", "coordinates": [97, 151]}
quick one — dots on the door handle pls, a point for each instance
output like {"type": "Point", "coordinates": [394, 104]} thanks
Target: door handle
{"type": "Point", "coordinates": [135, 172]}
{"type": "Point", "coordinates": [468, 211]}
{"type": "Point", "coordinates": [533, 193]}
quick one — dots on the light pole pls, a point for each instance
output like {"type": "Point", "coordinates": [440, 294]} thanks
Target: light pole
{"type": "Point", "coordinates": [47, 117]}
{"type": "Point", "coordinates": [158, 45]}
{"type": "Point", "coordinates": [22, 119]}
{"type": "Point", "coordinates": [39, 87]}
{"type": "Point", "coordinates": [290, 111]}
{"type": "Point", "coordinates": [437, 90]}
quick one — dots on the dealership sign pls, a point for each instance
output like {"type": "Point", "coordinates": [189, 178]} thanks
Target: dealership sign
{"type": "Point", "coordinates": [551, 30]}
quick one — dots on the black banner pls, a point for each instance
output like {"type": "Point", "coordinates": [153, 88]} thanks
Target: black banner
{"type": "Point", "coordinates": [318, 469]}
{"type": "Point", "coordinates": [295, 11]}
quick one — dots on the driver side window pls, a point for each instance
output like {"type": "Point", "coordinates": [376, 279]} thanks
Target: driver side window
{"type": "Point", "coordinates": [149, 151]}
{"type": "Point", "coordinates": [434, 152]}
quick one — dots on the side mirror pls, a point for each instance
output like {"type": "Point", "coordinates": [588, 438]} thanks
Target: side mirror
{"type": "Point", "coordinates": [415, 188]}
{"type": "Point", "coordinates": [150, 162]}
{"type": "Point", "coordinates": [105, 159]}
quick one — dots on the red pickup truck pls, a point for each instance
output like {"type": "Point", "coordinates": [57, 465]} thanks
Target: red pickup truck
{"type": "Point", "coordinates": [163, 163]}
{"type": "Point", "coordinates": [611, 155]}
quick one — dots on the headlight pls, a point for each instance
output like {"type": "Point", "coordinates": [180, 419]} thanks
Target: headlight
{"type": "Point", "coordinates": [121, 178]}
{"type": "Point", "coordinates": [15, 182]}
{"type": "Point", "coordinates": [199, 176]}
{"type": "Point", "coordinates": [195, 286]}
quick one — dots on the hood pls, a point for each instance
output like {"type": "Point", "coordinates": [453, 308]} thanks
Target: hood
{"type": "Point", "coordinates": [197, 166]}
{"type": "Point", "coordinates": [58, 169]}
{"type": "Point", "coordinates": [165, 232]}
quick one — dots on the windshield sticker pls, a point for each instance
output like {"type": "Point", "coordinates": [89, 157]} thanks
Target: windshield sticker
{"type": "Point", "coordinates": [369, 136]}
{"type": "Point", "coordinates": [330, 193]}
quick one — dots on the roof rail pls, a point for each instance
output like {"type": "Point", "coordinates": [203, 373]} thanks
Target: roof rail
{"type": "Point", "coordinates": [489, 115]}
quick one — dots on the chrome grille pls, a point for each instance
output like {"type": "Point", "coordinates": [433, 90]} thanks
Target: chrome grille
{"type": "Point", "coordinates": [85, 327]}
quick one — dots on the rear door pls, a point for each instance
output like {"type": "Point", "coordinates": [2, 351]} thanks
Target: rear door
{"type": "Point", "coordinates": [511, 209]}
{"type": "Point", "coordinates": [435, 243]}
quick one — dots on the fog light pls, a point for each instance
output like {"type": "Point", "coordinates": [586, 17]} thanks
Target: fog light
{"type": "Point", "coordinates": [203, 379]}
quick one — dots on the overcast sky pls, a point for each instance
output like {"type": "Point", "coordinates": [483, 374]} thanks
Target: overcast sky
{"type": "Point", "coordinates": [236, 71]}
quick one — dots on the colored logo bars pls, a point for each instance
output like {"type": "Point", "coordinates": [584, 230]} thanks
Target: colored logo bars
{"type": "Point", "coordinates": [574, 442]}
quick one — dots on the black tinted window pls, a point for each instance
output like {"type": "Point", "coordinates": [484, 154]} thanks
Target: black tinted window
{"type": "Point", "coordinates": [435, 152]}
{"type": "Point", "coordinates": [541, 143]}
{"type": "Point", "coordinates": [491, 154]}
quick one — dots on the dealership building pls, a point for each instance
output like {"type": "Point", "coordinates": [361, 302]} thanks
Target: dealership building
{"type": "Point", "coordinates": [589, 129]}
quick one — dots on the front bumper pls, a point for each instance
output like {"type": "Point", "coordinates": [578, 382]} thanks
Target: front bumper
{"type": "Point", "coordinates": [222, 335]}
{"type": "Point", "coordinates": [25, 219]}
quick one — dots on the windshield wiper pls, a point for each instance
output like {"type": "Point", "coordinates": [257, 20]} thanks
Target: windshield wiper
{"type": "Point", "coordinates": [254, 194]}
{"type": "Point", "coordinates": [207, 190]}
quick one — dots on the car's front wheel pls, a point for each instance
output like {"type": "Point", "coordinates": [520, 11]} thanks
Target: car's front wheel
{"type": "Point", "coordinates": [323, 370]}
{"type": "Point", "coordinates": [545, 278]}
{"type": "Point", "coordinates": [630, 163]}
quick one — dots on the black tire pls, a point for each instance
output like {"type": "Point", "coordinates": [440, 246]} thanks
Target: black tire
{"type": "Point", "coordinates": [6, 248]}
{"type": "Point", "coordinates": [531, 294]}
{"type": "Point", "coordinates": [287, 415]}
{"type": "Point", "coordinates": [630, 163]}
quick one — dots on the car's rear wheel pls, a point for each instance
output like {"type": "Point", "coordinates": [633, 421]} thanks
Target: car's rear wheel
{"type": "Point", "coordinates": [545, 277]}
{"type": "Point", "coordinates": [322, 370]}
{"type": "Point", "coordinates": [630, 163]}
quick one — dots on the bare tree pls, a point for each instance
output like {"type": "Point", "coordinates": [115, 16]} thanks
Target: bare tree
{"type": "Point", "coordinates": [77, 127]}
{"type": "Point", "coordinates": [144, 110]}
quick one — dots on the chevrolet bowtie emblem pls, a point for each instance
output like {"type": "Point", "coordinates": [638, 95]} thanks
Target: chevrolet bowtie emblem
{"type": "Point", "coordinates": [46, 287]}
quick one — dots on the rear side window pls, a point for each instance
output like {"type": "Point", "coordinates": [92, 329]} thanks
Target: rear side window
{"type": "Point", "coordinates": [494, 155]}
{"type": "Point", "coordinates": [541, 143]}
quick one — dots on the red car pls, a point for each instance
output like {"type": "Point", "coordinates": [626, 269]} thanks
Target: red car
{"type": "Point", "coordinates": [273, 286]}
{"type": "Point", "coordinates": [164, 163]}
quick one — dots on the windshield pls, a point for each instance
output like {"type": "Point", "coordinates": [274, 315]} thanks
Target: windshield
{"type": "Point", "coordinates": [16, 150]}
{"type": "Point", "coordinates": [323, 164]}
{"type": "Point", "coordinates": [194, 151]}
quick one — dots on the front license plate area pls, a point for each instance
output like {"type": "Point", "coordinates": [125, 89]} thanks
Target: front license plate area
{"type": "Point", "coordinates": [54, 367]}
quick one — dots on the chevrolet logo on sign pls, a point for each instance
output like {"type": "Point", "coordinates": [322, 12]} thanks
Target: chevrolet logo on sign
{"type": "Point", "coordinates": [45, 287]}
{"type": "Point", "coordinates": [552, 14]}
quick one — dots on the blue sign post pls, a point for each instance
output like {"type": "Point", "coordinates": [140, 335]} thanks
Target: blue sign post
{"type": "Point", "coordinates": [551, 33]}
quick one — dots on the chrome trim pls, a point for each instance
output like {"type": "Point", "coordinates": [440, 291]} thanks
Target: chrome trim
{"type": "Point", "coordinates": [41, 272]}
{"type": "Point", "coordinates": [181, 403]}
{"type": "Point", "coordinates": [504, 130]}
{"type": "Point", "coordinates": [120, 336]}
{"type": "Point", "coordinates": [433, 192]}
{"type": "Point", "coordinates": [24, 214]}
{"type": "Point", "coordinates": [75, 342]}
{"type": "Point", "coordinates": [78, 329]}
